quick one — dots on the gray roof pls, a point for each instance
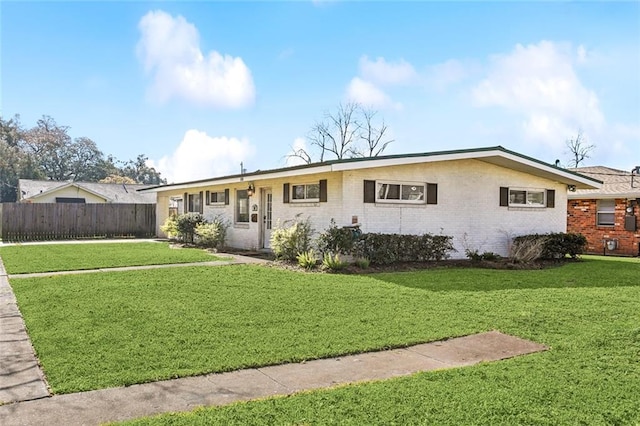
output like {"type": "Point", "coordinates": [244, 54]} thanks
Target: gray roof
{"type": "Point", "coordinates": [112, 192]}
{"type": "Point", "coordinates": [616, 183]}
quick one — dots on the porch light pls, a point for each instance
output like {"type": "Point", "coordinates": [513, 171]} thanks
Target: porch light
{"type": "Point", "coordinates": [251, 189]}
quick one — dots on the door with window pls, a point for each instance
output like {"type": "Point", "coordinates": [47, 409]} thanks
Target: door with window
{"type": "Point", "coordinates": [267, 217]}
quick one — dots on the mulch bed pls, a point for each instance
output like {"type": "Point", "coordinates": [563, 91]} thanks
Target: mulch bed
{"type": "Point", "coordinates": [502, 263]}
{"type": "Point", "coordinates": [408, 266]}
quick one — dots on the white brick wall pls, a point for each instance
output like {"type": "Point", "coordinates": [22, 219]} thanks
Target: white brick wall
{"type": "Point", "coordinates": [468, 205]}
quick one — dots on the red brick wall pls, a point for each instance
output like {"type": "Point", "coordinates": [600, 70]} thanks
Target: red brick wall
{"type": "Point", "coordinates": [581, 218]}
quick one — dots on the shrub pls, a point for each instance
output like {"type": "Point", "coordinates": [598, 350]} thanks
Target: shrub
{"type": "Point", "coordinates": [475, 256]}
{"type": "Point", "coordinates": [170, 227]}
{"type": "Point", "coordinates": [186, 225]}
{"type": "Point", "coordinates": [291, 238]}
{"type": "Point", "coordinates": [307, 259]}
{"type": "Point", "coordinates": [182, 227]}
{"type": "Point", "coordinates": [362, 262]}
{"type": "Point", "coordinates": [490, 256]}
{"type": "Point", "coordinates": [552, 246]}
{"type": "Point", "coordinates": [212, 234]}
{"type": "Point", "coordinates": [391, 248]}
{"type": "Point", "coordinates": [332, 262]}
{"type": "Point", "coordinates": [527, 249]}
{"type": "Point", "coordinates": [336, 240]}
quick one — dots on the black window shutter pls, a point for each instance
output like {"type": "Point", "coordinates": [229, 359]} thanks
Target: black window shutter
{"type": "Point", "coordinates": [285, 193]}
{"type": "Point", "coordinates": [369, 191]}
{"type": "Point", "coordinates": [206, 198]}
{"type": "Point", "coordinates": [226, 196]}
{"type": "Point", "coordinates": [185, 203]}
{"type": "Point", "coordinates": [323, 190]}
{"type": "Point", "coordinates": [201, 203]}
{"type": "Point", "coordinates": [432, 193]}
{"type": "Point", "coordinates": [551, 198]}
{"type": "Point", "coordinates": [504, 196]}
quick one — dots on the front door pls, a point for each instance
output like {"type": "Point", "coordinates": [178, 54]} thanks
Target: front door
{"type": "Point", "coordinates": [267, 217]}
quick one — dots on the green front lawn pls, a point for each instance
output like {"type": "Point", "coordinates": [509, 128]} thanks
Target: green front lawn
{"type": "Point", "coordinates": [128, 327]}
{"type": "Point", "coordinates": [30, 258]}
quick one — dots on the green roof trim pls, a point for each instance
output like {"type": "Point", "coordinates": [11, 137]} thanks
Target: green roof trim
{"type": "Point", "coordinates": [364, 159]}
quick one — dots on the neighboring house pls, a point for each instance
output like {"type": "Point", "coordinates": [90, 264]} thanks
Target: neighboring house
{"type": "Point", "coordinates": [482, 197]}
{"type": "Point", "coordinates": [607, 216]}
{"type": "Point", "coordinates": [49, 191]}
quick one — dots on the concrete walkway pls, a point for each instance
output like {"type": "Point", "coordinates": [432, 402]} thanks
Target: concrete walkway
{"type": "Point", "coordinates": [118, 404]}
{"type": "Point", "coordinates": [26, 399]}
{"type": "Point", "coordinates": [233, 259]}
{"type": "Point", "coordinates": [20, 376]}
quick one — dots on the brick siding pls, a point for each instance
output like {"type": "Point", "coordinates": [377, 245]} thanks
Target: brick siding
{"type": "Point", "coordinates": [581, 218]}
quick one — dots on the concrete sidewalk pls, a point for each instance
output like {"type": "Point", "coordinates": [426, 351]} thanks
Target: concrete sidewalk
{"type": "Point", "coordinates": [233, 259]}
{"type": "Point", "coordinates": [27, 401]}
{"type": "Point", "coordinates": [20, 375]}
{"type": "Point", "coordinates": [118, 404]}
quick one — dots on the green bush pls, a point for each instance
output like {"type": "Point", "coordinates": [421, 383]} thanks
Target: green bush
{"type": "Point", "coordinates": [392, 248]}
{"type": "Point", "coordinates": [170, 227]}
{"type": "Point", "coordinates": [336, 240]}
{"type": "Point", "coordinates": [475, 256]}
{"type": "Point", "coordinates": [332, 262]}
{"type": "Point", "coordinates": [186, 225]}
{"type": "Point", "coordinates": [490, 256]}
{"type": "Point", "coordinates": [307, 259]}
{"type": "Point", "coordinates": [291, 238]}
{"type": "Point", "coordinates": [553, 245]}
{"type": "Point", "coordinates": [362, 262]}
{"type": "Point", "coordinates": [212, 234]}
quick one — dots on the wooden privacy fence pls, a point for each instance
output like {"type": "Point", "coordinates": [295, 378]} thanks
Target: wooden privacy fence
{"type": "Point", "coordinates": [44, 221]}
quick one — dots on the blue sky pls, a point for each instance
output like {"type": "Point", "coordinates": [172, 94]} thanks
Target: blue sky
{"type": "Point", "coordinates": [201, 86]}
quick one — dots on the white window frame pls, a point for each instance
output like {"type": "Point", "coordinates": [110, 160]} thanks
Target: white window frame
{"type": "Point", "coordinates": [306, 193]}
{"type": "Point", "coordinates": [606, 210]}
{"type": "Point", "coordinates": [217, 194]}
{"type": "Point", "coordinates": [527, 203]}
{"type": "Point", "coordinates": [237, 208]}
{"type": "Point", "coordinates": [422, 196]}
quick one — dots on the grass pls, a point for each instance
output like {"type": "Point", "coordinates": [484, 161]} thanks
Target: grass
{"type": "Point", "coordinates": [177, 322]}
{"type": "Point", "coordinates": [23, 259]}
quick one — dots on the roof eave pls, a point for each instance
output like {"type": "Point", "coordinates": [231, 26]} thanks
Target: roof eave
{"type": "Point", "coordinates": [495, 155]}
{"type": "Point", "coordinates": [602, 196]}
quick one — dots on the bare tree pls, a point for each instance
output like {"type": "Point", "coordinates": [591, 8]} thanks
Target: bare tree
{"type": "Point", "coordinates": [300, 153]}
{"type": "Point", "coordinates": [349, 132]}
{"type": "Point", "coordinates": [373, 136]}
{"type": "Point", "coordinates": [338, 133]}
{"type": "Point", "coordinates": [578, 149]}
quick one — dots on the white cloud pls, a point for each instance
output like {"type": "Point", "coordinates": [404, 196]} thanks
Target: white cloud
{"type": "Point", "coordinates": [369, 95]}
{"type": "Point", "coordinates": [200, 156]}
{"type": "Point", "coordinates": [539, 83]}
{"type": "Point", "coordinates": [291, 160]}
{"type": "Point", "coordinates": [365, 88]}
{"type": "Point", "coordinates": [169, 49]}
{"type": "Point", "coordinates": [619, 145]}
{"type": "Point", "coordinates": [387, 73]}
{"type": "Point", "coordinates": [442, 76]}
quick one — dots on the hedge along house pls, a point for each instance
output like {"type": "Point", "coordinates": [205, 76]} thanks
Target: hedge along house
{"type": "Point", "coordinates": [607, 216]}
{"type": "Point", "coordinates": [481, 197]}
